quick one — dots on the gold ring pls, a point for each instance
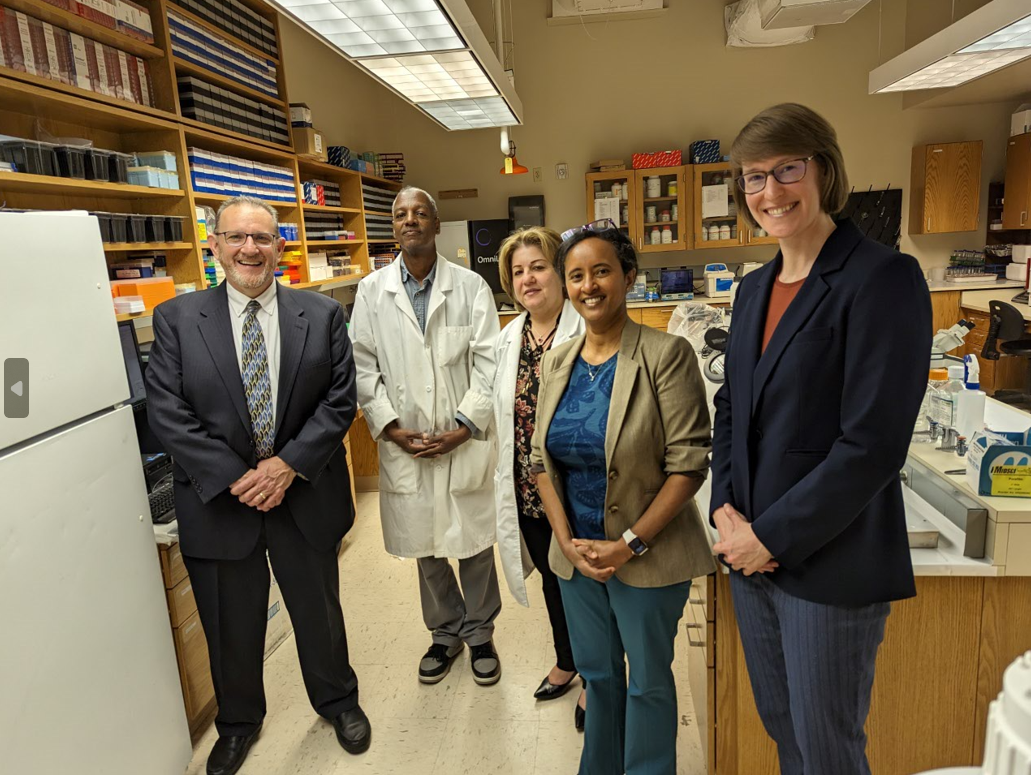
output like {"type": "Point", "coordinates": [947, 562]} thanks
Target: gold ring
{"type": "Point", "coordinates": [261, 495]}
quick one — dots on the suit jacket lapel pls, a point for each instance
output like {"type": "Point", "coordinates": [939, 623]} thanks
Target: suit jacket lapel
{"type": "Point", "coordinates": [623, 384]}
{"type": "Point", "coordinates": [548, 401]}
{"type": "Point", "coordinates": [217, 332]}
{"type": "Point", "coordinates": [293, 332]}
{"type": "Point", "coordinates": [748, 324]}
{"type": "Point", "coordinates": [836, 250]}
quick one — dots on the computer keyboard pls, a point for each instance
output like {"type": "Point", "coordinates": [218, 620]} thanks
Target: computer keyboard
{"type": "Point", "coordinates": [162, 504]}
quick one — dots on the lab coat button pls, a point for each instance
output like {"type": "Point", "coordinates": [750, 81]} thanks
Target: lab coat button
{"type": "Point", "coordinates": [429, 388]}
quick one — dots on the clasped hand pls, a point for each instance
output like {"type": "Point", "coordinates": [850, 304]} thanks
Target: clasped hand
{"type": "Point", "coordinates": [598, 560]}
{"type": "Point", "coordinates": [423, 445]}
{"type": "Point", "coordinates": [264, 487]}
{"type": "Point", "coordinates": [738, 543]}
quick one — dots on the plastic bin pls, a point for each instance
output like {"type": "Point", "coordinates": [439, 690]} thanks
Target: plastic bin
{"type": "Point", "coordinates": [163, 160]}
{"type": "Point", "coordinates": [119, 227]}
{"type": "Point", "coordinates": [174, 227]}
{"type": "Point", "coordinates": [118, 166]}
{"type": "Point", "coordinates": [104, 219]}
{"type": "Point", "coordinates": [97, 162]}
{"type": "Point", "coordinates": [137, 228]}
{"type": "Point", "coordinates": [157, 229]}
{"type": "Point", "coordinates": [71, 162]}
{"type": "Point", "coordinates": [29, 156]}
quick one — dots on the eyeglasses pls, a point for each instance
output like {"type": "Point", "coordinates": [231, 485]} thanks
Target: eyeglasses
{"type": "Point", "coordinates": [238, 239]}
{"type": "Point", "coordinates": [788, 172]}
{"type": "Point", "coordinates": [601, 225]}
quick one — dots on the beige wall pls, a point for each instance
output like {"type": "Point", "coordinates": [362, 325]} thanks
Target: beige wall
{"type": "Point", "coordinates": [605, 90]}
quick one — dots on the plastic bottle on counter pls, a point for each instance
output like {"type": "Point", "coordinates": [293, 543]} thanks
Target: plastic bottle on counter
{"type": "Point", "coordinates": [921, 431]}
{"type": "Point", "coordinates": [943, 402]}
{"type": "Point", "coordinates": [971, 401]}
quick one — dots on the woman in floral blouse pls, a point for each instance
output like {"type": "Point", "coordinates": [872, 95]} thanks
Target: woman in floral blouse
{"type": "Point", "coordinates": [527, 267]}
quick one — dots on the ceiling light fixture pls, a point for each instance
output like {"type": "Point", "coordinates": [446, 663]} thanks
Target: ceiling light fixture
{"type": "Point", "coordinates": [992, 37]}
{"type": "Point", "coordinates": [430, 52]}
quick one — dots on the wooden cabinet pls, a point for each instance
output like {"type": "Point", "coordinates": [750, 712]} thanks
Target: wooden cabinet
{"type": "Point", "coordinates": [924, 711]}
{"type": "Point", "coordinates": [945, 310]}
{"type": "Point", "coordinates": [650, 211]}
{"type": "Point", "coordinates": [657, 317]}
{"type": "Point", "coordinates": [1006, 373]}
{"type": "Point", "coordinates": [599, 186]}
{"type": "Point", "coordinates": [714, 182]}
{"type": "Point", "coordinates": [504, 318]}
{"type": "Point", "coordinates": [945, 190]}
{"type": "Point", "coordinates": [1016, 206]}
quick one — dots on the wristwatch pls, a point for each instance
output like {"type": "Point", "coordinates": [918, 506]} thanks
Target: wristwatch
{"type": "Point", "coordinates": [637, 546]}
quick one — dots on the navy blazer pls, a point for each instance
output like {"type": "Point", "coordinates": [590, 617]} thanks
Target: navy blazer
{"type": "Point", "coordinates": [197, 408]}
{"type": "Point", "coordinates": [810, 435]}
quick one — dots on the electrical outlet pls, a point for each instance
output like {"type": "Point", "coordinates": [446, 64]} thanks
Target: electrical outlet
{"type": "Point", "coordinates": [562, 171]}
{"type": "Point", "coordinates": [538, 175]}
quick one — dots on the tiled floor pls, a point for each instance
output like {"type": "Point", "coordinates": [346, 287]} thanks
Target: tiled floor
{"type": "Point", "coordinates": [453, 728]}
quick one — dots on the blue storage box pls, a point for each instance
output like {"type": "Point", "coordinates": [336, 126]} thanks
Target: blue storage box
{"type": "Point", "coordinates": [705, 151]}
{"type": "Point", "coordinates": [146, 176]}
{"type": "Point", "coordinates": [339, 155]}
{"type": "Point", "coordinates": [163, 160]}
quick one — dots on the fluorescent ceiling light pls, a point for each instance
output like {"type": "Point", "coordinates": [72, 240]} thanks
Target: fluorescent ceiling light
{"type": "Point", "coordinates": [433, 77]}
{"type": "Point", "coordinates": [369, 28]}
{"type": "Point", "coordinates": [992, 37]}
{"type": "Point", "coordinates": [471, 114]}
{"type": "Point", "coordinates": [430, 52]}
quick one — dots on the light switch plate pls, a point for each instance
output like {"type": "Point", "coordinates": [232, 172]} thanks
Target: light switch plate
{"type": "Point", "coordinates": [562, 171]}
{"type": "Point", "coordinates": [538, 174]}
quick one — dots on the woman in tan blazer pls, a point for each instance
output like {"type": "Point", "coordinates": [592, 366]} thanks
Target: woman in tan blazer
{"type": "Point", "coordinates": [622, 439]}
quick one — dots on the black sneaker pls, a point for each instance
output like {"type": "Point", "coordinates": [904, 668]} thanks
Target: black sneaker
{"type": "Point", "coordinates": [436, 663]}
{"type": "Point", "coordinates": [486, 665]}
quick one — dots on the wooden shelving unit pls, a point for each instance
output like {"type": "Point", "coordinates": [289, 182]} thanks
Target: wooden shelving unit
{"type": "Point", "coordinates": [110, 123]}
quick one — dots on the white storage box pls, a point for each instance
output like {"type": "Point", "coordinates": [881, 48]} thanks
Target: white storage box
{"type": "Point", "coordinates": [1021, 121]}
{"type": "Point", "coordinates": [1016, 272]}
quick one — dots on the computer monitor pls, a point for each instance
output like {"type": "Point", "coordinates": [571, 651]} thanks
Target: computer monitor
{"type": "Point", "coordinates": [133, 364]}
{"type": "Point", "coordinates": [134, 370]}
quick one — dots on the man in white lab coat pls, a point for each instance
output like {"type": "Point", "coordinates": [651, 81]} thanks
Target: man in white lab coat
{"type": "Point", "coordinates": [423, 332]}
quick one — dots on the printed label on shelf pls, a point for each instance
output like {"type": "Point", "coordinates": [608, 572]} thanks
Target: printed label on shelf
{"type": "Point", "coordinates": [26, 42]}
{"type": "Point", "coordinates": [80, 62]}
{"type": "Point", "coordinates": [102, 81]}
{"type": "Point", "coordinates": [123, 66]}
{"type": "Point", "coordinates": [55, 63]}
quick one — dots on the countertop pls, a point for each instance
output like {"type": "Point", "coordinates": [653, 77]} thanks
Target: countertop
{"type": "Point", "coordinates": [978, 300]}
{"type": "Point", "coordinates": [935, 286]}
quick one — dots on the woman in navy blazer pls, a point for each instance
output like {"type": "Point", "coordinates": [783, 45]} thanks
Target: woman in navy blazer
{"type": "Point", "coordinates": [826, 368]}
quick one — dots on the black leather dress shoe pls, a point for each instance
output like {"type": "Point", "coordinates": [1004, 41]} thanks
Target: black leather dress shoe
{"type": "Point", "coordinates": [228, 753]}
{"type": "Point", "coordinates": [354, 732]}
{"type": "Point", "coordinates": [549, 691]}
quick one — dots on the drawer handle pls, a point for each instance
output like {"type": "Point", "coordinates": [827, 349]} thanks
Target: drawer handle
{"type": "Point", "coordinates": [186, 590]}
{"type": "Point", "coordinates": [193, 626]}
{"type": "Point", "coordinates": [690, 640]}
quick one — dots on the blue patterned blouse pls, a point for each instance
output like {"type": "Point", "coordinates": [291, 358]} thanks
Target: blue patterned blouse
{"type": "Point", "coordinates": [576, 442]}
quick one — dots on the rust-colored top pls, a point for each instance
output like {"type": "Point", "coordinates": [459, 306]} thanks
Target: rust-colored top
{"type": "Point", "coordinates": [780, 298]}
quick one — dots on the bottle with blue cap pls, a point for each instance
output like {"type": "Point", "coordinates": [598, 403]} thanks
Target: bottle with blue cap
{"type": "Point", "coordinates": [970, 402]}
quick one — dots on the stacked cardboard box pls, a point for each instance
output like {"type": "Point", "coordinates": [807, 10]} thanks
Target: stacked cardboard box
{"type": "Point", "coordinates": [216, 173]}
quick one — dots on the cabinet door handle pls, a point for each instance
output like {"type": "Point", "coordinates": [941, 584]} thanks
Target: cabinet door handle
{"type": "Point", "coordinates": [928, 223]}
{"type": "Point", "coordinates": [691, 642]}
{"type": "Point", "coordinates": [1023, 217]}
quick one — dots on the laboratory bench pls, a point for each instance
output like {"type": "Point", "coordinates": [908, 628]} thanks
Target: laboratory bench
{"type": "Point", "coordinates": [944, 651]}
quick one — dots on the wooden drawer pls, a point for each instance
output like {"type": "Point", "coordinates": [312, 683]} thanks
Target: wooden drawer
{"type": "Point", "coordinates": [702, 680]}
{"type": "Point", "coordinates": [635, 314]}
{"type": "Point", "coordinates": [194, 670]}
{"type": "Point", "coordinates": [703, 596]}
{"type": "Point", "coordinates": [701, 634]}
{"type": "Point", "coordinates": [181, 602]}
{"type": "Point", "coordinates": [657, 317]}
{"type": "Point", "coordinates": [173, 570]}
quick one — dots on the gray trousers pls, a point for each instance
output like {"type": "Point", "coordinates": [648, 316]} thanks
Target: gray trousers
{"type": "Point", "coordinates": [812, 669]}
{"type": "Point", "coordinates": [456, 615]}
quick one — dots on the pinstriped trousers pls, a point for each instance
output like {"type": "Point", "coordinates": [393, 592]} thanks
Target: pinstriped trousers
{"type": "Point", "coordinates": [812, 669]}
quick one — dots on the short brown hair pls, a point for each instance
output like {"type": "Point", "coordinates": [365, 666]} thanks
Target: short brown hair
{"type": "Point", "coordinates": [792, 128]}
{"type": "Point", "coordinates": [541, 237]}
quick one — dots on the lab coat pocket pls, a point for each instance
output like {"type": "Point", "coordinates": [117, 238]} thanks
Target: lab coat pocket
{"type": "Point", "coordinates": [454, 344]}
{"type": "Point", "coordinates": [470, 465]}
{"type": "Point", "coordinates": [398, 471]}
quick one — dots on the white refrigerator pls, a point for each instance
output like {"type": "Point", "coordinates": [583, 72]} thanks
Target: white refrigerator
{"type": "Point", "coordinates": [88, 675]}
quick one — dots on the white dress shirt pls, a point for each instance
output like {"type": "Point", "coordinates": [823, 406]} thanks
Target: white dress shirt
{"type": "Point", "coordinates": [268, 320]}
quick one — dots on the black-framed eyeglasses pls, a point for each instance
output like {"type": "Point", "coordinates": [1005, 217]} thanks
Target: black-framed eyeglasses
{"type": "Point", "coordinates": [786, 172]}
{"type": "Point", "coordinates": [238, 239]}
{"type": "Point", "coordinates": [603, 224]}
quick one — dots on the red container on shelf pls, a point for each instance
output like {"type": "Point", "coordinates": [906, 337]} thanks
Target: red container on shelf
{"type": "Point", "coordinates": [101, 12]}
{"type": "Point", "coordinates": [657, 159]}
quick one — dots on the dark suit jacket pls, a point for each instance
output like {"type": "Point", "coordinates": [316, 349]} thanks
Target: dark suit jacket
{"type": "Point", "coordinates": [197, 408]}
{"type": "Point", "coordinates": [810, 436]}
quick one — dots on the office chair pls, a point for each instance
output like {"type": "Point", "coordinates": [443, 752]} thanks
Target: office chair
{"type": "Point", "coordinates": [1007, 324]}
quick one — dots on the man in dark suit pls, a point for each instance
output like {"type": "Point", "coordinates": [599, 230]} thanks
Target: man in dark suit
{"type": "Point", "coordinates": [251, 388]}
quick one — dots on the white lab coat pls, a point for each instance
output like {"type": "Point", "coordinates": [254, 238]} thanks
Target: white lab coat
{"type": "Point", "coordinates": [442, 507]}
{"type": "Point", "coordinates": [515, 560]}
